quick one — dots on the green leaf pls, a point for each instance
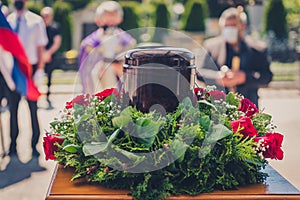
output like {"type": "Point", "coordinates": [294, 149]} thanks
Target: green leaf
{"type": "Point", "coordinates": [178, 149]}
{"type": "Point", "coordinates": [121, 121]}
{"type": "Point", "coordinates": [262, 116]}
{"type": "Point", "coordinates": [90, 149]}
{"type": "Point", "coordinates": [96, 147]}
{"type": "Point", "coordinates": [131, 156]}
{"type": "Point", "coordinates": [205, 122]}
{"type": "Point", "coordinates": [230, 98]}
{"type": "Point", "coordinates": [146, 129]}
{"type": "Point", "coordinates": [83, 118]}
{"type": "Point", "coordinates": [218, 132]}
{"type": "Point", "coordinates": [79, 109]}
{"type": "Point", "coordinates": [124, 118]}
{"type": "Point", "coordinates": [54, 123]}
{"type": "Point", "coordinates": [71, 148]}
{"type": "Point", "coordinates": [207, 103]}
{"type": "Point", "coordinates": [186, 102]}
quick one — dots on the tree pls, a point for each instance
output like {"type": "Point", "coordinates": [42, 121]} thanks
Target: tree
{"type": "Point", "coordinates": [62, 15]}
{"type": "Point", "coordinates": [162, 16]}
{"type": "Point", "coordinates": [78, 4]}
{"type": "Point", "coordinates": [131, 18]}
{"type": "Point", "coordinates": [193, 19]}
{"type": "Point", "coordinates": [275, 19]}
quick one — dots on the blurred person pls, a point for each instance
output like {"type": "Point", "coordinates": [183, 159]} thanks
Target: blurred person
{"type": "Point", "coordinates": [244, 62]}
{"type": "Point", "coordinates": [3, 86]}
{"type": "Point", "coordinates": [99, 51]}
{"type": "Point", "coordinates": [31, 31]}
{"type": "Point", "coordinates": [4, 9]}
{"type": "Point", "coordinates": [54, 43]}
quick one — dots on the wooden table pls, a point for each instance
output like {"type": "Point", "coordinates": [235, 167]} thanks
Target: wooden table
{"type": "Point", "coordinates": [61, 188]}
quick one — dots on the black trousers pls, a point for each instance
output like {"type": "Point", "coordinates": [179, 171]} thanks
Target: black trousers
{"type": "Point", "coordinates": [4, 90]}
{"type": "Point", "coordinates": [49, 68]}
{"type": "Point", "coordinates": [14, 100]}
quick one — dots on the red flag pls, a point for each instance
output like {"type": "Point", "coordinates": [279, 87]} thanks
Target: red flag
{"type": "Point", "coordinates": [22, 74]}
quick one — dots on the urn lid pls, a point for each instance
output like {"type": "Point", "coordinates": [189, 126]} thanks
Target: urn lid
{"type": "Point", "coordinates": [169, 56]}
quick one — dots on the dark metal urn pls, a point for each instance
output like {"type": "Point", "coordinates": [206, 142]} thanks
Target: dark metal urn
{"type": "Point", "coordinates": [158, 78]}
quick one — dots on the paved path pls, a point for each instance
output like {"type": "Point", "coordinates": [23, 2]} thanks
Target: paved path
{"type": "Point", "coordinates": [284, 105]}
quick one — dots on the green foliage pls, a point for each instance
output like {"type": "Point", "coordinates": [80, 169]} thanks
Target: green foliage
{"type": "Point", "coordinates": [215, 8]}
{"type": "Point", "coordinates": [4, 2]}
{"type": "Point", "coordinates": [162, 15]}
{"type": "Point", "coordinates": [104, 142]}
{"type": "Point", "coordinates": [193, 19]}
{"type": "Point", "coordinates": [35, 7]}
{"type": "Point", "coordinates": [275, 19]}
{"type": "Point", "coordinates": [62, 15]}
{"type": "Point", "coordinates": [131, 17]}
{"type": "Point", "coordinates": [293, 13]}
{"type": "Point", "coordinates": [162, 20]}
{"type": "Point", "coordinates": [77, 4]}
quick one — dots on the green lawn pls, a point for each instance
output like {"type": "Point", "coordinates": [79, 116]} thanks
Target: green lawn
{"type": "Point", "coordinates": [285, 71]}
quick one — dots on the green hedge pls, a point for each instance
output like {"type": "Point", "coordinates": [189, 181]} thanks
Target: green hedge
{"type": "Point", "coordinates": [62, 15]}
{"type": "Point", "coordinates": [131, 18]}
{"type": "Point", "coordinates": [275, 19]}
{"type": "Point", "coordinates": [193, 19]}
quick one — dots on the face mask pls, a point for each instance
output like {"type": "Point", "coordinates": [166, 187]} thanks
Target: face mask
{"type": "Point", "coordinates": [109, 29]}
{"type": "Point", "coordinates": [230, 34]}
{"type": "Point", "coordinates": [19, 5]}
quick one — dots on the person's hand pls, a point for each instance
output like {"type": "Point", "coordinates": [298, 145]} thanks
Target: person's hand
{"type": "Point", "coordinates": [47, 57]}
{"type": "Point", "coordinates": [38, 77]}
{"type": "Point", "coordinates": [231, 79]}
{"type": "Point", "coordinates": [118, 68]}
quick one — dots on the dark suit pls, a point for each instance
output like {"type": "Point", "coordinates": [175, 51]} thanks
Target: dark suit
{"type": "Point", "coordinates": [254, 61]}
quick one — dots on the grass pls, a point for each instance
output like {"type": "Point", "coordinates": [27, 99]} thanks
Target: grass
{"type": "Point", "coordinates": [281, 71]}
{"type": "Point", "coordinates": [285, 71]}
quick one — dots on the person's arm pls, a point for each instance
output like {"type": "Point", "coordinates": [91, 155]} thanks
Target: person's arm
{"type": "Point", "coordinates": [260, 74]}
{"type": "Point", "coordinates": [56, 45]}
{"type": "Point", "coordinates": [41, 62]}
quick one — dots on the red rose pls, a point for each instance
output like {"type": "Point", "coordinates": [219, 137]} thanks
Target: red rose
{"type": "Point", "coordinates": [247, 107]}
{"type": "Point", "coordinates": [105, 93]}
{"type": "Point", "coordinates": [200, 93]}
{"type": "Point", "coordinates": [50, 146]}
{"type": "Point", "coordinates": [244, 126]}
{"type": "Point", "coordinates": [217, 95]}
{"type": "Point", "coordinates": [271, 143]}
{"type": "Point", "coordinates": [83, 100]}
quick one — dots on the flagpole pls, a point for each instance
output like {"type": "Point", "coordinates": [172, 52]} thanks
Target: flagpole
{"type": "Point", "coordinates": [2, 137]}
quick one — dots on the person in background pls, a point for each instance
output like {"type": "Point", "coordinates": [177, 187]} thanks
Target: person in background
{"type": "Point", "coordinates": [99, 51]}
{"type": "Point", "coordinates": [4, 9]}
{"type": "Point", "coordinates": [244, 62]}
{"type": "Point", "coordinates": [54, 42]}
{"type": "Point", "coordinates": [4, 91]}
{"type": "Point", "coordinates": [31, 30]}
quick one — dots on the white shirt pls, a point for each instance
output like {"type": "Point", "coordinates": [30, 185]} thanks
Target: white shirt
{"type": "Point", "coordinates": [32, 33]}
{"type": "Point", "coordinates": [6, 67]}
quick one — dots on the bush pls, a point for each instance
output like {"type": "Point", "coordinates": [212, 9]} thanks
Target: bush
{"type": "Point", "coordinates": [77, 4]}
{"type": "Point", "coordinates": [162, 16]}
{"type": "Point", "coordinates": [277, 32]}
{"type": "Point", "coordinates": [275, 19]}
{"type": "Point", "coordinates": [193, 19]}
{"type": "Point", "coordinates": [4, 2]}
{"type": "Point", "coordinates": [62, 15]}
{"type": "Point", "coordinates": [131, 18]}
{"type": "Point", "coordinates": [215, 8]}
{"type": "Point", "coordinates": [162, 20]}
{"type": "Point", "coordinates": [35, 7]}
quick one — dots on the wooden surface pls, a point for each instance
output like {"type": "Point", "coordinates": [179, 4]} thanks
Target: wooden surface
{"type": "Point", "coordinates": [61, 187]}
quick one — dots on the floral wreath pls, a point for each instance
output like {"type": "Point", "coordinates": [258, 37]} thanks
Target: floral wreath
{"type": "Point", "coordinates": [219, 141]}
